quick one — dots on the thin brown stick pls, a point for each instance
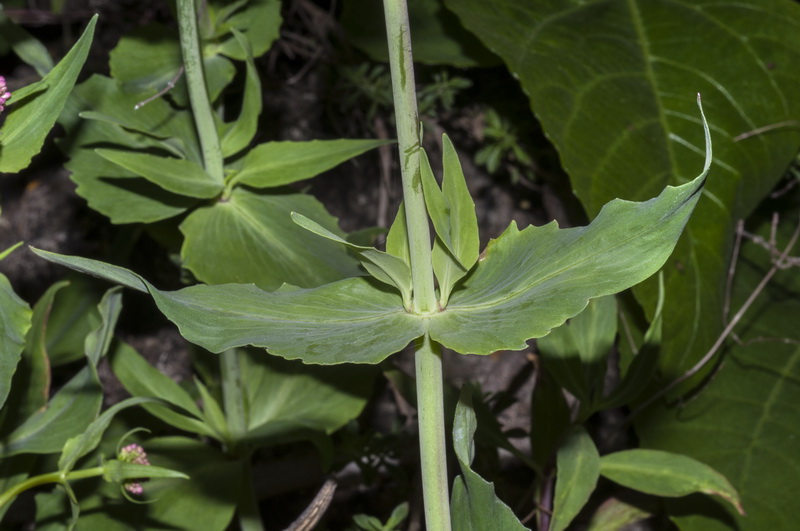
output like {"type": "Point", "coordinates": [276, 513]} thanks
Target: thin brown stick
{"type": "Point", "coordinates": [169, 86]}
{"type": "Point", "coordinates": [313, 513]}
{"type": "Point", "coordinates": [777, 265]}
{"type": "Point", "coordinates": [766, 129]}
{"type": "Point", "coordinates": [726, 310]}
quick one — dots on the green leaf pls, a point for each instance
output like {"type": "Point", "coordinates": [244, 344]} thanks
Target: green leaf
{"type": "Point", "coordinates": [743, 424]}
{"type": "Point", "coordinates": [179, 176]}
{"type": "Point", "coordinates": [437, 37]}
{"type": "Point", "coordinates": [615, 514]}
{"type": "Point", "coordinates": [531, 281]}
{"type": "Point", "coordinates": [278, 163]}
{"type": "Point", "coordinates": [295, 395]}
{"type": "Point", "coordinates": [31, 380]}
{"type": "Point", "coordinates": [109, 189]}
{"type": "Point", "coordinates": [259, 21]}
{"type": "Point", "coordinates": [116, 471]}
{"type": "Point", "coordinates": [212, 413]}
{"type": "Point", "coordinates": [251, 238]}
{"type": "Point", "coordinates": [148, 59]}
{"type": "Point", "coordinates": [69, 412]}
{"type": "Point", "coordinates": [235, 138]}
{"type": "Point", "coordinates": [15, 320]}
{"type": "Point", "coordinates": [383, 266]}
{"type": "Point", "coordinates": [578, 468]}
{"type": "Point", "coordinates": [576, 353]}
{"type": "Point", "coordinates": [141, 379]}
{"type": "Point", "coordinates": [24, 45]}
{"type": "Point", "coordinates": [30, 119]}
{"type": "Point", "coordinates": [82, 444]}
{"type": "Point", "coordinates": [72, 317]}
{"type": "Point", "coordinates": [666, 474]}
{"type": "Point", "coordinates": [474, 505]}
{"type": "Point", "coordinates": [550, 419]}
{"type": "Point", "coordinates": [99, 340]}
{"type": "Point", "coordinates": [453, 215]}
{"type": "Point", "coordinates": [610, 83]}
{"type": "Point", "coordinates": [352, 320]}
{"type": "Point", "coordinates": [397, 238]}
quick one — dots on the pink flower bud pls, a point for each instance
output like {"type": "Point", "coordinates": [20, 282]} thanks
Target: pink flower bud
{"type": "Point", "coordinates": [133, 453]}
{"type": "Point", "coordinates": [4, 93]}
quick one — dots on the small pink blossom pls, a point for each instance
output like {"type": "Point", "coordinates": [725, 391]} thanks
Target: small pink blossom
{"type": "Point", "coordinates": [134, 453]}
{"type": "Point", "coordinates": [4, 93]}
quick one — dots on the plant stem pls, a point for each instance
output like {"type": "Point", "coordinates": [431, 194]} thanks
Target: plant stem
{"type": "Point", "coordinates": [44, 479]}
{"type": "Point", "coordinates": [428, 359]}
{"type": "Point", "coordinates": [432, 447]}
{"type": "Point", "coordinates": [195, 81]}
{"type": "Point", "coordinates": [408, 139]}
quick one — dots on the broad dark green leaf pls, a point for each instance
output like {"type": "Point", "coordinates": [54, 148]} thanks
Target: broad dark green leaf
{"type": "Point", "coordinates": [550, 419]}
{"type": "Point", "coordinates": [178, 176]}
{"type": "Point", "coordinates": [578, 469]}
{"type": "Point", "coordinates": [533, 280]}
{"type": "Point", "coordinates": [278, 163]}
{"type": "Point", "coordinates": [474, 505]}
{"type": "Point", "coordinates": [30, 118]}
{"type": "Point", "coordinates": [15, 320]}
{"type": "Point", "coordinates": [612, 81]}
{"type": "Point", "coordinates": [437, 37]}
{"type": "Point", "coordinates": [72, 317]}
{"type": "Point", "coordinates": [666, 474]}
{"type": "Point", "coordinates": [68, 413]}
{"type": "Point", "coordinates": [744, 423]}
{"type": "Point", "coordinates": [250, 237]}
{"type": "Point", "coordinates": [353, 320]}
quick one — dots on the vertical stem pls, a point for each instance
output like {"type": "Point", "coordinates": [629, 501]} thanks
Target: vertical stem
{"type": "Point", "coordinates": [428, 357]}
{"type": "Point", "coordinates": [408, 139]}
{"type": "Point", "coordinates": [432, 447]}
{"type": "Point", "coordinates": [195, 80]}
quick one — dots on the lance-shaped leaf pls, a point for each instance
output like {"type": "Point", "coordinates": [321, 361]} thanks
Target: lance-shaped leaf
{"type": "Point", "coordinates": [25, 45]}
{"type": "Point", "coordinates": [578, 471]}
{"type": "Point", "coordinates": [353, 320]}
{"type": "Point", "coordinates": [533, 280]}
{"type": "Point", "coordinates": [15, 320]}
{"type": "Point", "coordinates": [236, 135]}
{"type": "Point", "coordinates": [34, 111]}
{"type": "Point", "coordinates": [179, 176]}
{"type": "Point", "coordinates": [279, 163]}
{"type": "Point", "coordinates": [383, 266]}
{"type": "Point", "coordinates": [474, 504]}
{"type": "Point", "coordinates": [666, 474]}
{"type": "Point", "coordinates": [453, 215]}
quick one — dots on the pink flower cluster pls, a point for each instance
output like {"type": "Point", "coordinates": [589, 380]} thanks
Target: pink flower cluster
{"type": "Point", "coordinates": [4, 93]}
{"type": "Point", "coordinates": [133, 453]}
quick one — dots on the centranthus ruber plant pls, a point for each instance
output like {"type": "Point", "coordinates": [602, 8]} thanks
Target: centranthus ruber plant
{"type": "Point", "coordinates": [432, 290]}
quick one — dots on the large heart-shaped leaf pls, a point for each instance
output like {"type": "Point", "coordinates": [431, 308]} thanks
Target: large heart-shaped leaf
{"type": "Point", "coordinates": [744, 424]}
{"type": "Point", "coordinates": [611, 82]}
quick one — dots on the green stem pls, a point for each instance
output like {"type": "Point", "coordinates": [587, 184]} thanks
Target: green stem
{"type": "Point", "coordinates": [428, 359]}
{"type": "Point", "coordinates": [249, 515]}
{"type": "Point", "coordinates": [408, 139]}
{"type": "Point", "coordinates": [44, 479]}
{"type": "Point", "coordinates": [195, 81]}
{"type": "Point", "coordinates": [432, 446]}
